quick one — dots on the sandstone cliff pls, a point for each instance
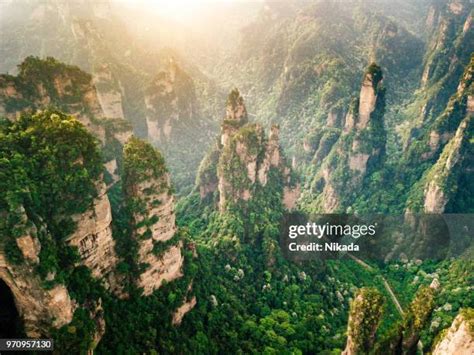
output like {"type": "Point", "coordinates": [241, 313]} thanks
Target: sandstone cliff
{"type": "Point", "coordinates": [170, 98]}
{"type": "Point", "coordinates": [455, 163]}
{"type": "Point", "coordinates": [41, 83]}
{"type": "Point", "coordinates": [365, 315]}
{"type": "Point", "coordinates": [446, 150]}
{"type": "Point", "coordinates": [345, 159]}
{"type": "Point", "coordinates": [149, 196]}
{"type": "Point", "coordinates": [44, 83]}
{"type": "Point", "coordinates": [39, 307]}
{"type": "Point", "coordinates": [459, 338]}
{"type": "Point", "coordinates": [443, 128]}
{"type": "Point", "coordinates": [176, 122]}
{"type": "Point", "coordinates": [94, 241]}
{"type": "Point", "coordinates": [451, 32]}
{"type": "Point", "coordinates": [64, 236]}
{"type": "Point", "coordinates": [109, 97]}
{"type": "Point", "coordinates": [244, 161]}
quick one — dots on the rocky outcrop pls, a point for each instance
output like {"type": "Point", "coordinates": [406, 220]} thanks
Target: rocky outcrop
{"type": "Point", "coordinates": [454, 162]}
{"type": "Point", "coordinates": [458, 107]}
{"type": "Point", "coordinates": [165, 103]}
{"type": "Point", "coordinates": [30, 247]}
{"type": "Point", "coordinates": [41, 83]}
{"type": "Point", "coordinates": [243, 161]}
{"type": "Point", "coordinates": [449, 25]}
{"type": "Point", "coordinates": [364, 317]}
{"type": "Point", "coordinates": [165, 267]}
{"type": "Point", "coordinates": [48, 82]}
{"type": "Point", "coordinates": [170, 102]}
{"type": "Point", "coordinates": [405, 337]}
{"type": "Point", "coordinates": [206, 180]}
{"type": "Point", "coordinates": [176, 122]}
{"type": "Point", "coordinates": [371, 98]}
{"type": "Point", "coordinates": [39, 308]}
{"type": "Point", "coordinates": [182, 310]}
{"type": "Point", "coordinates": [94, 241]}
{"type": "Point", "coordinates": [344, 159]}
{"type": "Point", "coordinates": [459, 338]}
{"type": "Point", "coordinates": [367, 99]}
{"type": "Point", "coordinates": [447, 149]}
{"type": "Point", "coordinates": [236, 116]}
{"type": "Point", "coordinates": [148, 190]}
{"type": "Point", "coordinates": [108, 95]}
{"type": "Point", "coordinates": [47, 246]}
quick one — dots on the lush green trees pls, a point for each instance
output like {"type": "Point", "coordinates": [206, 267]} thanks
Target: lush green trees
{"type": "Point", "coordinates": [49, 169]}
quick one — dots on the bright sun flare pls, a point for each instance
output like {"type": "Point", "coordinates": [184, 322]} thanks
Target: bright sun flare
{"type": "Point", "coordinates": [179, 10]}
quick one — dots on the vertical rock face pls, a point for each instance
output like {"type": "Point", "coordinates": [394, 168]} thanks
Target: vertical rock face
{"type": "Point", "coordinates": [416, 317]}
{"type": "Point", "coordinates": [371, 106]}
{"type": "Point", "coordinates": [244, 160]}
{"type": "Point", "coordinates": [459, 338]}
{"type": "Point", "coordinates": [236, 116]}
{"type": "Point", "coordinates": [39, 308]}
{"type": "Point", "coordinates": [455, 161]}
{"type": "Point", "coordinates": [343, 161]}
{"type": "Point", "coordinates": [109, 97]}
{"type": "Point", "coordinates": [364, 317]}
{"type": "Point", "coordinates": [33, 235]}
{"type": "Point", "coordinates": [447, 146]}
{"type": "Point", "coordinates": [207, 180]}
{"type": "Point", "coordinates": [367, 99]}
{"type": "Point", "coordinates": [93, 239]}
{"type": "Point", "coordinates": [49, 82]}
{"type": "Point", "coordinates": [450, 26]}
{"type": "Point", "coordinates": [169, 99]}
{"type": "Point", "coordinates": [36, 258]}
{"type": "Point", "coordinates": [176, 122]}
{"type": "Point", "coordinates": [148, 190]}
{"type": "Point", "coordinates": [458, 107]}
{"type": "Point", "coordinates": [41, 83]}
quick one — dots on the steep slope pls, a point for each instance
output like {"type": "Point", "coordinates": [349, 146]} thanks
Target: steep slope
{"type": "Point", "coordinates": [299, 63]}
{"type": "Point", "coordinates": [356, 153]}
{"type": "Point", "coordinates": [38, 308]}
{"type": "Point", "coordinates": [124, 68]}
{"type": "Point", "coordinates": [244, 161]}
{"type": "Point", "coordinates": [402, 184]}
{"type": "Point", "coordinates": [445, 187]}
{"type": "Point", "coordinates": [459, 338]}
{"type": "Point", "coordinates": [151, 204]}
{"type": "Point", "coordinates": [51, 168]}
{"type": "Point", "coordinates": [65, 268]}
{"type": "Point", "coordinates": [243, 189]}
{"type": "Point", "coordinates": [175, 117]}
{"type": "Point", "coordinates": [48, 83]}
{"type": "Point", "coordinates": [452, 171]}
{"type": "Point", "coordinates": [365, 314]}
{"type": "Point", "coordinates": [450, 36]}
{"type": "Point", "coordinates": [94, 241]}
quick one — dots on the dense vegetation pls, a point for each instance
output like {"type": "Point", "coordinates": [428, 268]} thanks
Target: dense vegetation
{"type": "Point", "coordinates": [45, 180]}
{"type": "Point", "coordinates": [299, 65]}
{"type": "Point", "coordinates": [38, 79]}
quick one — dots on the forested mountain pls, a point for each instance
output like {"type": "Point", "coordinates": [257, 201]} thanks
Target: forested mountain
{"type": "Point", "coordinates": [125, 72]}
{"type": "Point", "coordinates": [151, 168]}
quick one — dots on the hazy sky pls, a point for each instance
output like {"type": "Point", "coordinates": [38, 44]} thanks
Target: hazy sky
{"type": "Point", "coordinates": [179, 10]}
